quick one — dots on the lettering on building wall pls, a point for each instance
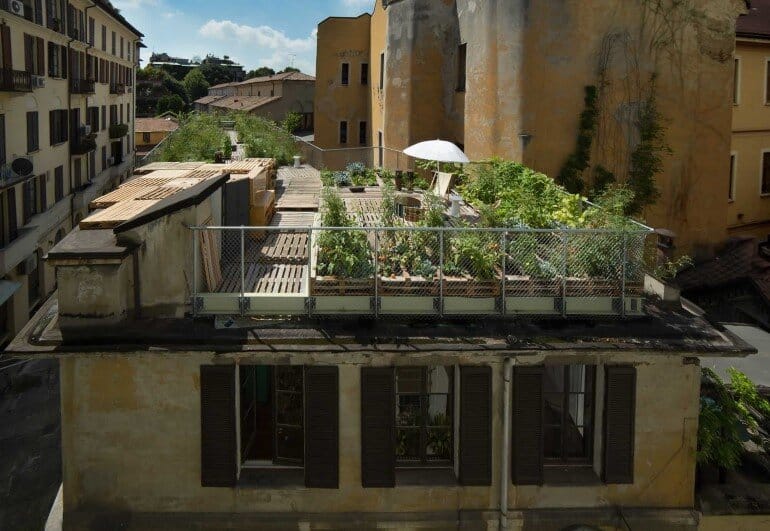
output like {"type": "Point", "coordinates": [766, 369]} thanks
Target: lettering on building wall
{"type": "Point", "coordinates": [350, 53]}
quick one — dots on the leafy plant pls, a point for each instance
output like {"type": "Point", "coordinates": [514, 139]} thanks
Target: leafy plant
{"type": "Point", "coordinates": [570, 175]}
{"type": "Point", "coordinates": [327, 177]}
{"type": "Point", "coordinates": [670, 268]}
{"type": "Point", "coordinates": [198, 138]}
{"type": "Point", "coordinates": [264, 138]}
{"type": "Point", "coordinates": [291, 122]}
{"type": "Point", "coordinates": [477, 253]}
{"type": "Point", "coordinates": [342, 253]}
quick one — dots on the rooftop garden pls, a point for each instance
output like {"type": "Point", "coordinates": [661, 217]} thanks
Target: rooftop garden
{"type": "Point", "coordinates": [265, 139]}
{"type": "Point", "coordinates": [198, 138]}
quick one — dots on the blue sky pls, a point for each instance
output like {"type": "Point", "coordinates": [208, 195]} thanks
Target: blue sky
{"type": "Point", "coordinates": [252, 32]}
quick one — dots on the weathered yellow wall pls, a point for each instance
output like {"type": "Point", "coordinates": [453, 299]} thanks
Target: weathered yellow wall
{"type": "Point", "coordinates": [156, 137]}
{"type": "Point", "coordinates": [131, 441]}
{"type": "Point", "coordinates": [744, 522]}
{"type": "Point", "coordinates": [341, 40]}
{"type": "Point", "coordinates": [749, 212]}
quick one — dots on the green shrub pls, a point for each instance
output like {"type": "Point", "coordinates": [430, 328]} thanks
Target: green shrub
{"type": "Point", "coordinates": [198, 138]}
{"type": "Point", "coordinates": [265, 139]}
{"type": "Point", "coordinates": [344, 253]}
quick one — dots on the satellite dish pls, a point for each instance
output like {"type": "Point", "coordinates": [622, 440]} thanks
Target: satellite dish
{"type": "Point", "coordinates": [22, 167]}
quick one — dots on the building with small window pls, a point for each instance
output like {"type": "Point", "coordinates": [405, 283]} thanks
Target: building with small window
{"type": "Point", "coordinates": [508, 79]}
{"type": "Point", "coordinates": [149, 132]}
{"type": "Point", "coordinates": [271, 97]}
{"type": "Point", "coordinates": [66, 132]}
{"type": "Point", "coordinates": [202, 387]}
{"type": "Point", "coordinates": [748, 187]}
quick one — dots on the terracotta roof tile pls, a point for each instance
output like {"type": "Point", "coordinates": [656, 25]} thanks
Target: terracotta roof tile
{"type": "Point", "coordinates": [756, 24]}
{"type": "Point", "coordinates": [244, 103]}
{"type": "Point", "coordinates": [150, 125]}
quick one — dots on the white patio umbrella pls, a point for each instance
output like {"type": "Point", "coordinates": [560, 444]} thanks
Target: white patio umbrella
{"type": "Point", "coordinates": [437, 150]}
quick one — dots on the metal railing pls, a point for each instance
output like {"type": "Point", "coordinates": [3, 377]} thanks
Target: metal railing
{"type": "Point", "coordinates": [82, 86]}
{"type": "Point", "coordinates": [423, 271]}
{"type": "Point", "coordinates": [15, 80]}
{"type": "Point", "coordinates": [117, 88]}
{"type": "Point", "coordinates": [338, 159]}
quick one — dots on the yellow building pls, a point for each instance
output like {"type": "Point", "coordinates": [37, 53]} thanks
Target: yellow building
{"type": "Point", "coordinates": [149, 132]}
{"type": "Point", "coordinates": [508, 78]}
{"type": "Point", "coordinates": [749, 185]}
{"type": "Point", "coordinates": [66, 110]}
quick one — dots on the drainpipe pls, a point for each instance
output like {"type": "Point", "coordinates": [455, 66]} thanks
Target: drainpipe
{"type": "Point", "coordinates": [506, 445]}
{"type": "Point", "coordinates": [65, 22]}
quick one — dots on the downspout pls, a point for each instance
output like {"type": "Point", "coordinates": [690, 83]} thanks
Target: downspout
{"type": "Point", "coordinates": [65, 22]}
{"type": "Point", "coordinates": [505, 447]}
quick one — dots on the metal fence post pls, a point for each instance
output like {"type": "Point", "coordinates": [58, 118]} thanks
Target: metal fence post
{"type": "Point", "coordinates": [624, 272]}
{"type": "Point", "coordinates": [441, 273]}
{"type": "Point", "coordinates": [309, 265]}
{"type": "Point", "coordinates": [565, 271]}
{"type": "Point", "coordinates": [504, 252]}
{"type": "Point", "coordinates": [376, 273]}
{"type": "Point", "coordinates": [196, 252]}
{"type": "Point", "coordinates": [243, 270]}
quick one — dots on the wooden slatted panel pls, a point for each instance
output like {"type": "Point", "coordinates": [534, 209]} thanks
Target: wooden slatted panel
{"type": "Point", "coordinates": [161, 192]}
{"type": "Point", "coordinates": [210, 258]}
{"type": "Point", "coordinates": [378, 453]}
{"type": "Point", "coordinates": [619, 413]}
{"type": "Point", "coordinates": [218, 430]}
{"type": "Point", "coordinates": [124, 193]}
{"type": "Point", "coordinates": [475, 426]}
{"type": "Point", "coordinates": [151, 180]}
{"type": "Point", "coordinates": [155, 166]}
{"type": "Point", "coordinates": [322, 427]}
{"type": "Point", "coordinates": [265, 279]}
{"type": "Point", "coordinates": [201, 174]}
{"type": "Point", "coordinates": [527, 440]}
{"type": "Point", "coordinates": [113, 216]}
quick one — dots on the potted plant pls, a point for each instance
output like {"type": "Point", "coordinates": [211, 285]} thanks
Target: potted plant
{"type": "Point", "coordinates": [398, 180]}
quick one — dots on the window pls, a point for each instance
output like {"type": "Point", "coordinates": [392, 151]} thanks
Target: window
{"type": "Point", "coordinates": [424, 432]}
{"type": "Point", "coordinates": [13, 223]}
{"type": "Point", "coordinates": [272, 415]}
{"type": "Point", "coordinates": [731, 184]}
{"type": "Point", "coordinates": [462, 55]}
{"type": "Point", "coordinates": [33, 285]}
{"type": "Point", "coordinates": [765, 190]}
{"type": "Point", "coordinates": [382, 71]}
{"type": "Point", "coordinates": [104, 158]}
{"type": "Point", "coordinates": [42, 188]}
{"type": "Point", "coordinates": [146, 138]}
{"type": "Point", "coordinates": [364, 73]}
{"type": "Point", "coordinates": [29, 206]}
{"type": "Point", "coordinates": [568, 392]}
{"type": "Point", "coordinates": [122, 44]}
{"type": "Point", "coordinates": [343, 132]}
{"type": "Point", "coordinates": [34, 55]}
{"type": "Point", "coordinates": [345, 73]}
{"type": "Point", "coordinates": [737, 81]}
{"type": "Point", "coordinates": [91, 31]}
{"type": "Point", "coordinates": [55, 15]}
{"type": "Point", "coordinates": [78, 172]}
{"type": "Point", "coordinates": [104, 38]}
{"type": "Point", "coordinates": [58, 126]}
{"type": "Point", "coordinates": [113, 114]}
{"type": "Point", "coordinates": [113, 44]}
{"type": "Point", "coordinates": [121, 113]}
{"type": "Point", "coordinates": [33, 132]}
{"type": "Point", "coordinates": [58, 177]}
{"type": "Point", "coordinates": [2, 139]}
{"type": "Point", "coordinates": [92, 118]}
{"type": "Point", "coordinates": [104, 117]}
{"type": "Point", "coordinates": [767, 82]}
{"type": "Point", "coordinates": [362, 133]}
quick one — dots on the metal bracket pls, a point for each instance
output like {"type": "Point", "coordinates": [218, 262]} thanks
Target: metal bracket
{"type": "Point", "coordinates": [437, 305]}
{"type": "Point", "coordinates": [197, 305]}
{"type": "Point", "coordinates": [310, 305]}
{"type": "Point", "coordinates": [244, 304]}
{"type": "Point", "coordinates": [559, 304]}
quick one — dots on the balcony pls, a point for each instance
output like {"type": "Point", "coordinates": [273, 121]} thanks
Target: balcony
{"type": "Point", "coordinates": [82, 144]}
{"type": "Point", "coordinates": [118, 131]}
{"type": "Point", "coordinates": [15, 80]}
{"type": "Point", "coordinates": [82, 86]}
{"type": "Point", "coordinates": [117, 88]}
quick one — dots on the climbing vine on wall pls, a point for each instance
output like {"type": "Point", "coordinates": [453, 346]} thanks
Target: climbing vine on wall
{"type": "Point", "coordinates": [571, 175]}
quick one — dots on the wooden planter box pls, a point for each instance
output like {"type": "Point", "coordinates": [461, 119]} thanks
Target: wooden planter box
{"type": "Point", "coordinates": [524, 286]}
{"type": "Point", "coordinates": [335, 286]}
{"type": "Point", "coordinates": [591, 287]}
{"type": "Point", "coordinates": [408, 285]}
{"type": "Point", "coordinates": [468, 286]}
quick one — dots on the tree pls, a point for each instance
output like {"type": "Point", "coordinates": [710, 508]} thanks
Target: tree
{"type": "Point", "coordinates": [216, 74]}
{"type": "Point", "coordinates": [262, 71]}
{"type": "Point", "coordinates": [171, 103]}
{"type": "Point", "coordinates": [289, 69]}
{"type": "Point", "coordinates": [292, 122]}
{"type": "Point", "coordinates": [196, 84]}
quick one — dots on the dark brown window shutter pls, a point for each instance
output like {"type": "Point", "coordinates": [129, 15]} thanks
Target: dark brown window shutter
{"type": "Point", "coordinates": [218, 434]}
{"type": "Point", "coordinates": [40, 56]}
{"type": "Point", "coordinates": [29, 54]}
{"type": "Point", "coordinates": [476, 426]}
{"type": "Point", "coordinates": [378, 412]}
{"type": "Point", "coordinates": [619, 412]}
{"type": "Point", "coordinates": [5, 32]}
{"type": "Point", "coordinates": [527, 441]}
{"type": "Point", "coordinates": [322, 427]}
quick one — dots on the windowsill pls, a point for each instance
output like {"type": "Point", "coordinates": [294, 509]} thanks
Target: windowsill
{"type": "Point", "coordinates": [59, 143]}
{"type": "Point", "coordinates": [418, 477]}
{"type": "Point", "coordinates": [460, 91]}
{"type": "Point", "coordinates": [570, 476]}
{"type": "Point", "coordinates": [764, 195]}
{"type": "Point", "coordinates": [33, 151]}
{"type": "Point", "coordinates": [271, 478]}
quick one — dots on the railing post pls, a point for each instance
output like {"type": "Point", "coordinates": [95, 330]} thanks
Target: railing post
{"type": "Point", "coordinates": [565, 271]}
{"type": "Point", "coordinates": [441, 272]}
{"type": "Point", "coordinates": [623, 273]}
{"type": "Point", "coordinates": [308, 277]}
{"type": "Point", "coordinates": [376, 273]}
{"type": "Point", "coordinates": [243, 270]}
{"type": "Point", "coordinates": [196, 252]}
{"type": "Point", "coordinates": [504, 252]}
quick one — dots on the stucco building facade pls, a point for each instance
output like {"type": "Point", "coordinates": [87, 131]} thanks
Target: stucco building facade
{"type": "Point", "coordinates": [508, 79]}
{"type": "Point", "coordinates": [66, 111]}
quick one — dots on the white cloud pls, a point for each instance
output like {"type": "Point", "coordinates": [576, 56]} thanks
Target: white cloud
{"type": "Point", "coordinates": [264, 36]}
{"type": "Point", "coordinates": [357, 3]}
{"type": "Point", "coordinates": [134, 4]}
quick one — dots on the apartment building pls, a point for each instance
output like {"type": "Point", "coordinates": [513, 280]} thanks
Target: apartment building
{"type": "Point", "coordinates": [271, 97]}
{"type": "Point", "coordinates": [748, 190]}
{"type": "Point", "coordinates": [313, 419]}
{"type": "Point", "coordinates": [66, 110]}
{"type": "Point", "coordinates": [508, 79]}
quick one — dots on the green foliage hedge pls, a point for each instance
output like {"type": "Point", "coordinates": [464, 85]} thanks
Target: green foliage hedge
{"type": "Point", "coordinates": [198, 138]}
{"type": "Point", "coordinates": [264, 138]}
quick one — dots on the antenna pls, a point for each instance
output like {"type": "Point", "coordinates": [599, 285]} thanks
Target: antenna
{"type": "Point", "coordinates": [292, 55]}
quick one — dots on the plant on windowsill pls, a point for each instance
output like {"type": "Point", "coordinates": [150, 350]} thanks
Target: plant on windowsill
{"type": "Point", "coordinates": [84, 145]}
{"type": "Point", "coordinates": [118, 130]}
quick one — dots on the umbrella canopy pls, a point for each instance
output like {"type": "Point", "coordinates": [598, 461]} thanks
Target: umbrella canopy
{"type": "Point", "coordinates": [437, 150]}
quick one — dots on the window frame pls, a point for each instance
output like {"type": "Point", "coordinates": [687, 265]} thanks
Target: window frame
{"type": "Point", "coordinates": [363, 132]}
{"type": "Point", "coordinates": [765, 153]}
{"type": "Point", "coordinates": [424, 397]}
{"type": "Point", "coordinates": [345, 74]}
{"type": "Point", "coordinates": [733, 173]}
{"type": "Point", "coordinates": [344, 132]}
{"type": "Point", "coordinates": [589, 394]}
{"type": "Point", "coordinates": [462, 67]}
{"type": "Point", "coordinates": [33, 131]}
{"type": "Point", "coordinates": [737, 80]}
{"type": "Point", "coordinates": [365, 74]}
